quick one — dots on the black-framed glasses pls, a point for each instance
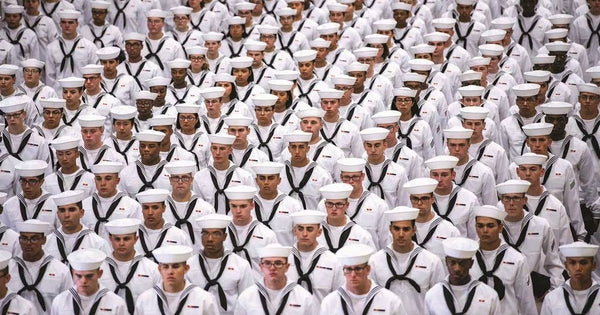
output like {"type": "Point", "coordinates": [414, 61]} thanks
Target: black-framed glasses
{"type": "Point", "coordinates": [347, 178]}
{"type": "Point", "coordinates": [508, 199]}
{"type": "Point", "coordinates": [422, 199]}
{"type": "Point", "coordinates": [338, 205]}
{"type": "Point", "coordinates": [183, 179]}
{"type": "Point", "coordinates": [34, 239]}
{"type": "Point", "coordinates": [30, 182]}
{"type": "Point", "coordinates": [357, 269]}
{"type": "Point", "coordinates": [13, 115]}
{"type": "Point", "coordinates": [277, 264]}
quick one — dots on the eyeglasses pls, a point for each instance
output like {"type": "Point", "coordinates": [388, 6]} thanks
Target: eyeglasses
{"type": "Point", "coordinates": [423, 199]}
{"type": "Point", "coordinates": [338, 205]}
{"type": "Point", "coordinates": [349, 270]}
{"type": "Point", "coordinates": [404, 99]}
{"type": "Point", "coordinates": [180, 17]}
{"type": "Point", "coordinates": [277, 264]}
{"type": "Point", "coordinates": [30, 182]}
{"type": "Point", "coordinates": [508, 199]}
{"type": "Point", "coordinates": [35, 239]}
{"type": "Point", "coordinates": [347, 178]}
{"type": "Point", "coordinates": [13, 115]}
{"type": "Point", "coordinates": [99, 12]}
{"type": "Point", "coordinates": [91, 78]}
{"type": "Point", "coordinates": [31, 70]}
{"type": "Point", "coordinates": [187, 118]}
{"type": "Point", "coordinates": [183, 179]}
{"type": "Point", "coordinates": [197, 58]}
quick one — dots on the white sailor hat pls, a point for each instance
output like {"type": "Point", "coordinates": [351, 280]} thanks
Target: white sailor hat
{"type": "Point", "coordinates": [443, 23]}
{"type": "Point", "coordinates": [244, 6]}
{"type": "Point", "coordinates": [470, 75]}
{"type": "Point", "coordinates": [355, 254]}
{"type": "Point", "coordinates": [343, 79]}
{"type": "Point", "coordinates": [471, 90]}
{"type": "Point", "coordinates": [543, 59]}
{"type": "Point", "coordinates": [558, 46]}
{"type": "Point", "coordinates": [493, 35]}
{"type": "Point", "coordinates": [221, 138]}
{"type": "Point", "coordinates": [399, 5]}
{"type": "Point", "coordinates": [252, 45]}
{"type": "Point", "coordinates": [537, 76]}
{"type": "Point", "coordinates": [556, 108]}
{"type": "Point", "coordinates": [14, 9]}
{"type": "Point", "coordinates": [357, 67]}
{"type": "Point", "coordinates": [594, 72]}
{"type": "Point", "coordinates": [330, 93]}
{"type": "Point", "coordinates": [305, 55]}
{"type": "Point", "coordinates": [578, 249]}
{"type": "Point", "coordinates": [384, 24]}
{"type": "Point", "coordinates": [241, 62]}
{"type": "Point", "coordinates": [97, 4]}
{"type": "Point", "coordinates": [513, 186]}
{"type": "Point", "coordinates": [264, 100]}
{"type": "Point", "coordinates": [150, 136]}
{"type": "Point", "coordinates": [31, 168]}
{"type": "Point", "coordinates": [435, 37]}
{"type": "Point", "coordinates": [386, 117]}
{"type": "Point", "coordinates": [503, 23]}
{"type": "Point", "coordinates": [561, 19]}
{"type": "Point", "coordinates": [526, 89]}
{"type": "Point", "coordinates": [33, 226]}
{"type": "Point", "coordinates": [196, 50]}
{"type": "Point", "coordinates": [224, 77]}
{"type": "Point", "coordinates": [422, 49]}
{"type": "Point", "coordinates": [401, 213]}
{"type": "Point", "coordinates": [156, 13]}
{"type": "Point", "coordinates": [336, 191]}
{"type": "Point", "coordinates": [478, 61]}
{"type": "Point", "coordinates": [92, 69]}
{"type": "Point", "coordinates": [158, 81]}
{"type": "Point", "coordinates": [86, 259]}
{"type": "Point", "coordinates": [122, 226]}
{"type": "Point", "coordinates": [71, 82]}
{"type": "Point", "coordinates": [65, 143]}
{"type": "Point", "coordinates": [376, 39]}
{"type": "Point", "coordinates": [240, 192]}
{"type": "Point", "coordinates": [5, 257]}
{"type": "Point", "coordinates": [238, 120]}
{"type": "Point", "coordinates": [298, 136]}
{"type": "Point", "coordinates": [420, 64]}
{"type": "Point", "coordinates": [162, 120]}
{"type": "Point", "coordinates": [181, 10]}
{"type": "Point", "coordinates": [422, 185]}
{"type": "Point", "coordinates": [490, 212]}
{"type": "Point", "coordinates": [236, 20]}
{"type": "Point", "coordinates": [123, 112]}
{"type": "Point", "coordinates": [285, 12]}
{"type": "Point", "coordinates": [213, 221]}
{"type": "Point", "coordinates": [68, 197]}
{"type": "Point", "coordinates": [442, 162]}
{"type": "Point", "coordinates": [351, 165]}
{"type": "Point", "coordinates": [365, 52]}
{"type": "Point", "coordinates": [458, 132]}
{"type": "Point", "coordinates": [537, 129]}
{"type": "Point", "coordinates": [308, 217]}
{"type": "Point", "coordinates": [267, 168]}
{"type": "Point", "coordinates": [180, 167]}
{"type": "Point", "coordinates": [172, 254]}
{"type": "Point", "coordinates": [310, 112]}
{"type": "Point", "coordinates": [557, 33]}
{"type": "Point", "coordinates": [346, 1]}
{"type": "Point", "coordinates": [588, 88]}
{"type": "Point", "coordinates": [374, 134]}
{"type": "Point", "coordinates": [491, 50]}
{"type": "Point", "coordinates": [474, 112]}
{"type": "Point", "coordinates": [146, 95]}
{"type": "Point", "coordinates": [108, 53]}
{"type": "Point", "coordinates": [32, 63]}
{"type": "Point", "coordinates": [289, 75]}
{"type": "Point", "coordinates": [54, 102]}
{"type": "Point", "coordinates": [8, 69]}
{"type": "Point", "coordinates": [531, 159]}
{"type": "Point", "coordinates": [336, 7]}
{"type": "Point", "coordinates": [134, 36]}
{"type": "Point", "coordinates": [152, 196]}
{"type": "Point", "coordinates": [212, 92]}
{"type": "Point", "coordinates": [320, 43]}
{"type": "Point", "coordinates": [13, 104]}
{"type": "Point", "coordinates": [267, 29]}
{"type": "Point", "coordinates": [179, 63]}
{"type": "Point", "coordinates": [212, 37]}
{"type": "Point", "coordinates": [413, 77]}
{"type": "Point", "coordinates": [274, 250]}
{"type": "Point", "coordinates": [460, 247]}
{"type": "Point", "coordinates": [69, 14]}
{"type": "Point", "coordinates": [328, 28]}
{"type": "Point", "coordinates": [107, 167]}
{"type": "Point", "coordinates": [404, 91]}
{"type": "Point", "coordinates": [466, 2]}
{"type": "Point", "coordinates": [91, 121]}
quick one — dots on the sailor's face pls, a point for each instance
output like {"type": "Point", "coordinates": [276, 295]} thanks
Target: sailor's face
{"type": "Point", "coordinates": [173, 274]}
{"type": "Point", "coordinates": [220, 152]}
{"type": "Point", "coordinates": [580, 268]}
{"type": "Point", "coordinates": [458, 269]}
{"type": "Point", "coordinates": [123, 243]}
{"type": "Point", "coordinates": [402, 233]}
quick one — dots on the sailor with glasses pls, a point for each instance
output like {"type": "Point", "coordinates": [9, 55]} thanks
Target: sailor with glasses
{"type": "Point", "coordinates": [18, 140]}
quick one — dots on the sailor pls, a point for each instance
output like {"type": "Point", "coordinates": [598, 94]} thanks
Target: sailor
{"type": "Point", "coordinates": [289, 39]}
{"type": "Point", "coordinates": [550, 88]}
{"type": "Point", "coordinates": [159, 48]}
{"type": "Point", "coordinates": [470, 96]}
{"type": "Point", "coordinates": [44, 27]}
{"type": "Point", "coordinates": [403, 267]}
{"type": "Point", "coordinates": [220, 272]}
{"type": "Point", "coordinates": [72, 92]}
{"type": "Point", "coordinates": [349, 110]}
{"type": "Point", "coordinates": [217, 61]}
{"type": "Point", "coordinates": [266, 134]}
{"type": "Point", "coordinates": [52, 126]}
{"type": "Point", "coordinates": [501, 266]}
{"type": "Point", "coordinates": [136, 65]}
{"type": "Point", "coordinates": [308, 83]}
{"type": "Point", "coordinates": [94, 96]}
{"type": "Point", "coordinates": [531, 27]}
{"type": "Point", "coordinates": [336, 129]}
{"type": "Point", "coordinates": [212, 113]}
{"type": "Point", "coordinates": [284, 110]}
{"type": "Point", "coordinates": [540, 247]}
{"type": "Point", "coordinates": [371, 97]}
{"type": "Point", "coordinates": [122, 139]}
{"type": "Point", "coordinates": [32, 202]}
{"type": "Point", "coordinates": [145, 104]}
{"type": "Point", "coordinates": [155, 232]}
{"type": "Point", "coordinates": [261, 72]}
{"type": "Point", "coordinates": [32, 84]}
{"type": "Point", "coordinates": [127, 15]}
{"type": "Point", "coordinates": [199, 73]}
{"type": "Point", "coordinates": [501, 64]}
{"type": "Point", "coordinates": [183, 33]}
{"type": "Point", "coordinates": [460, 292]}
{"type": "Point", "coordinates": [405, 29]}
{"type": "Point", "coordinates": [275, 293]}
{"type": "Point", "coordinates": [19, 140]}
{"type": "Point", "coordinates": [272, 56]}
{"type": "Point", "coordinates": [175, 293]}
{"type": "Point", "coordinates": [8, 237]}
{"type": "Point", "coordinates": [69, 176]}
{"type": "Point", "coordinates": [9, 300]}
{"type": "Point", "coordinates": [39, 277]}
{"type": "Point", "coordinates": [453, 52]}
{"type": "Point", "coordinates": [324, 70]}
{"type": "Point", "coordinates": [94, 150]}
{"type": "Point", "coordinates": [126, 271]}
{"type": "Point", "coordinates": [244, 154]}
{"type": "Point", "coordinates": [120, 85]}
{"type": "Point", "coordinates": [23, 39]}
{"type": "Point", "coordinates": [360, 295]}
{"type": "Point", "coordinates": [183, 206]}
{"type": "Point", "coordinates": [512, 49]}
{"type": "Point", "coordinates": [168, 151]}
{"type": "Point", "coordinates": [584, 31]}
{"type": "Point", "coordinates": [99, 31]}
{"type": "Point", "coordinates": [425, 94]}
{"type": "Point", "coordinates": [580, 292]}
{"type": "Point", "coordinates": [181, 91]}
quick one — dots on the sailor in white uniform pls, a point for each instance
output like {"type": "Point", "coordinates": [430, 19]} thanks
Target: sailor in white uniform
{"type": "Point", "coordinates": [120, 85]}
{"type": "Point", "coordinates": [168, 151]}
{"type": "Point", "coordinates": [403, 267]}
{"type": "Point", "coordinates": [18, 139]}
{"type": "Point", "coordinates": [136, 65]}
{"type": "Point", "coordinates": [32, 84]}
{"type": "Point", "coordinates": [70, 176]}
{"type": "Point", "coordinates": [266, 134]}
{"type": "Point", "coordinates": [307, 83]}
{"type": "Point", "coordinates": [180, 91]}
{"type": "Point", "coordinates": [99, 30]}
{"type": "Point", "coordinates": [10, 300]}
{"type": "Point", "coordinates": [122, 138]}
{"type": "Point", "coordinates": [93, 150]}
{"type": "Point", "coordinates": [245, 154]}
{"type": "Point", "coordinates": [158, 47]}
